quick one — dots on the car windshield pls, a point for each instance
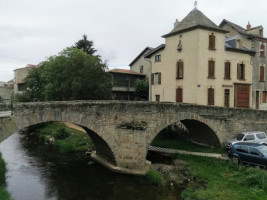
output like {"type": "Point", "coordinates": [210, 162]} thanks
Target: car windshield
{"type": "Point", "coordinates": [240, 137]}
{"type": "Point", "coordinates": [261, 135]}
{"type": "Point", "coordinates": [263, 150]}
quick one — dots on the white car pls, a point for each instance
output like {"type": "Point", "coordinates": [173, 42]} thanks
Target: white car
{"type": "Point", "coordinates": [253, 136]}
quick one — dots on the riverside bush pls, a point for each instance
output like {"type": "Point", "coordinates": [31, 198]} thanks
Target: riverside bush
{"type": "Point", "coordinates": [154, 177]}
{"type": "Point", "coordinates": [62, 134]}
{"type": "Point", "coordinates": [3, 191]}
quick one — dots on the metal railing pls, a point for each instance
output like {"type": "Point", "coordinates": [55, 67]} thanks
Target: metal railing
{"type": "Point", "coordinates": [6, 105]}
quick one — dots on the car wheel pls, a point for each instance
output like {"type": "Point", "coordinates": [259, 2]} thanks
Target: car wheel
{"type": "Point", "coordinates": [236, 160]}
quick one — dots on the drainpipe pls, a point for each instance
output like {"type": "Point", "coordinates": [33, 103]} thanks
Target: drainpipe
{"type": "Point", "coordinates": [149, 81]}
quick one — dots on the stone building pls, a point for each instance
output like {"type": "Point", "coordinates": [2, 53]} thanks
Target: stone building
{"type": "Point", "coordinates": [252, 37]}
{"type": "Point", "coordinates": [20, 74]}
{"type": "Point", "coordinates": [198, 64]}
{"type": "Point", "coordinates": [123, 83]}
{"type": "Point", "coordinates": [6, 89]}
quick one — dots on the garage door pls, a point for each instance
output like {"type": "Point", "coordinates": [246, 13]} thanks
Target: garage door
{"type": "Point", "coordinates": [242, 95]}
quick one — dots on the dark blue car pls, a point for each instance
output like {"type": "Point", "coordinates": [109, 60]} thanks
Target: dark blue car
{"type": "Point", "coordinates": [250, 153]}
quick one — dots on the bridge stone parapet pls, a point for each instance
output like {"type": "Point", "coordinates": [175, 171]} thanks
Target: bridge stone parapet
{"type": "Point", "coordinates": [123, 131]}
{"type": "Point", "coordinates": [7, 127]}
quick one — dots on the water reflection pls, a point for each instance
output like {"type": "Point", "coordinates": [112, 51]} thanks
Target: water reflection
{"type": "Point", "coordinates": [37, 172]}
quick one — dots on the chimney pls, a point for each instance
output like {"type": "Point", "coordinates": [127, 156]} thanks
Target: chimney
{"type": "Point", "coordinates": [248, 26]}
{"type": "Point", "coordinates": [176, 23]}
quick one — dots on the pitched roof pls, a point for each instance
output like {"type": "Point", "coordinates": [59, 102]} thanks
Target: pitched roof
{"type": "Point", "coordinates": [145, 51]}
{"type": "Point", "coordinates": [231, 45]}
{"type": "Point", "coordinates": [27, 66]}
{"type": "Point", "coordinates": [195, 19]}
{"type": "Point", "coordinates": [124, 71]}
{"type": "Point", "coordinates": [148, 55]}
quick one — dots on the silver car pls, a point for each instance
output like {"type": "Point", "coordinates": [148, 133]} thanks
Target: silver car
{"type": "Point", "coordinates": [253, 136]}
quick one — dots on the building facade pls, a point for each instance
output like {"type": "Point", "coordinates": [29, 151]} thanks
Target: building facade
{"type": "Point", "coordinates": [252, 37]}
{"type": "Point", "coordinates": [198, 64]}
{"type": "Point", "coordinates": [19, 75]}
{"type": "Point", "coordinates": [123, 83]}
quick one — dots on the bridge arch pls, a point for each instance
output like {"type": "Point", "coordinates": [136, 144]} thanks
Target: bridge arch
{"type": "Point", "coordinates": [200, 130]}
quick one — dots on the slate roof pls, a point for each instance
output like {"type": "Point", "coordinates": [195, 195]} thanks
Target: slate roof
{"type": "Point", "coordinates": [231, 45]}
{"type": "Point", "coordinates": [195, 19]}
{"type": "Point", "coordinates": [148, 55]}
{"type": "Point", "coordinates": [145, 51]}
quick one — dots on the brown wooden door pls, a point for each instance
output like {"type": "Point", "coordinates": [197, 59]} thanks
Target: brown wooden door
{"type": "Point", "coordinates": [179, 95]}
{"type": "Point", "coordinates": [242, 92]}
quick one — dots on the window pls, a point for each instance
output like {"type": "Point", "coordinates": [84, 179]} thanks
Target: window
{"type": "Point", "coordinates": [227, 98]}
{"type": "Point", "coordinates": [264, 93]}
{"type": "Point", "coordinates": [211, 71]}
{"type": "Point", "coordinates": [255, 152]}
{"type": "Point", "coordinates": [210, 96]}
{"type": "Point", "coordinates": [262, 50]}
{"type": "Point", "coordinates": [241, 71]}
{"type": "Point", "coordinates": [261, 73]}
{"type": "Point", "coordinates": [249, 137]}
{"type": "Point", "coordinates": [179, 95]}
{"type": "Point", "coordinates": [242, 149]}
{"type": "Point", "coordinates": [157, 97]}
{"type": "Point", "coordinates": [227, 70]}
{"type": "Point", "coordinates": [180, 70]}
{"type": "Point", "coordinates": [261, 135]}
{"type": "Point", "coordinates": [212, 42]}
{"type": "Point", "coordinates": [22, 87]}
{"type": "Point", "coordinates": [156, 78]}
{"type": "Point", "coordinates": [141, 69]}
{"type": "Point", "coordinates": [157, 58]}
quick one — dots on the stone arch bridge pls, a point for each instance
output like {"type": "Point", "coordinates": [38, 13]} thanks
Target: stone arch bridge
{"type": "Point", "coordinates": [123, 131]}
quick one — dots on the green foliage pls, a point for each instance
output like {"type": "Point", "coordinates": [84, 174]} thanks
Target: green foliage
{"type": "Point", "coordinates": [22, 97]}
{"type": "Point", "coordinates": [141, 89]}
{"type": "Point", "coordinates": [183, 144]}
{"type": "Point", "coordinates": [62, 134]}
{"type": "Point", "coordinates": [154, 177]}
{"type": "Point", "coordinates": [223, 180]}
{"type": "Point", "coordinates": [1, 97]}
{"type": "Point", "coordinates": [67, 140]}
{"type": "Point", "coordinates": [71, 75]}
{"type": "Point", "coordinates": [85, 45]}
{"type": "Point", "coordinates": [3, 191]}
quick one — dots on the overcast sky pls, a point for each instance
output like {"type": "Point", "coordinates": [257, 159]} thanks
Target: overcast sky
{"type": "Point", "coordinates": [33, 30]}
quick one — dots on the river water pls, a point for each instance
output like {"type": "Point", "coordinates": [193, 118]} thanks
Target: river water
{"type": "Point", "coordinates": [39, 172]}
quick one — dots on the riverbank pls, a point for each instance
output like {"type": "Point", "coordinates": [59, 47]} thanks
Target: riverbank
{"type": "Point", "coordinates": [66, 139]}
{"type": "Point", "coordinates": [4, 195]}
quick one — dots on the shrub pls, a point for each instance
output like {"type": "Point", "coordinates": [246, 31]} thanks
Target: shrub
{"type": "Point", "coordinates": [62, 134]}
{"type": "Point", "coordinates": [154, 177]}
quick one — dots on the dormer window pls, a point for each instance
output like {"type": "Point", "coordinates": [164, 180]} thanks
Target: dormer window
{"type": "Point", "coordinates": [212, 42]}
{"type": "Point", "coordinates": [157, 58]}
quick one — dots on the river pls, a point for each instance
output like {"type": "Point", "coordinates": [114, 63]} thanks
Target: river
{"type": "Point", "coordinates": [39, 172]}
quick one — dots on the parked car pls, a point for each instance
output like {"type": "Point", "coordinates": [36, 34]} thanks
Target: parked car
{"type": "Point", "coordinates": [250, 153]}
{"type": "Point", "coordinates": [253, 136]}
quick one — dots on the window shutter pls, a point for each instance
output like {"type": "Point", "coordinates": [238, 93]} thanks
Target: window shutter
{"type": "Point", "coordinates": [181, 69]}
{"type": "Point", "coordinates": [210, 96]}
{"type": "Point", "coordinates": [263, 50]}
{"type": "Point", "coordinates": [238, 71]}
{"type": "Point", "coordinates": [179, 95]}
{"type": "Point", "coordinates": [211, 69]}
{"type": "Point", "coordinates": [263, 97]}
{"type": "Point", "coordinates": [177, 69]}
{"type": "Point", "coordinates": [227, 70]}
{"type": "Point", "coordinates": [211, 41]}
{"type": "Point", "coordinates": [261, 73]}
{"type": "Point", "coordinates": [159, 76]}
{"type": "Point", "coordinates": [244, 71]}
{"type": "Point", "coordinates": [152, 79]}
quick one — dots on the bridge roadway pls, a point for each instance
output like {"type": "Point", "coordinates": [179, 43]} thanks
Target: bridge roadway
{"type": "Point", "coordinates": [122, 131]}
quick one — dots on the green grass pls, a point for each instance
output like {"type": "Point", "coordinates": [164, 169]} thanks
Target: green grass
{"type": "Point", "coordinates": [224, 180]}
{"type": "Point", "coordinates": [4, 195]}
{"type": "Point", "coordinates": [185, 145]}
{"type": "Point", "coordinates": [67, 140]}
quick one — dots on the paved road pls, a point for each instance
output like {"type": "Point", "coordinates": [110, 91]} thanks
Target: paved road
{"type": "Point", "coordinates": [5, 113]}
{"type": "Point", "coordinates": [166, 150]}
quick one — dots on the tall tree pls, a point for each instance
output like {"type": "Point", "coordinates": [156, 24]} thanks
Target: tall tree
{"type": "Point", "coordinates": [85, 45]}
{"type": "Point", "coordinates": [71, 75]}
